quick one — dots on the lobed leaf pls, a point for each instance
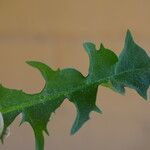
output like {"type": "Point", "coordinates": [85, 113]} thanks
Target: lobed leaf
{"type": "Point", "coordinates": [131, 69]}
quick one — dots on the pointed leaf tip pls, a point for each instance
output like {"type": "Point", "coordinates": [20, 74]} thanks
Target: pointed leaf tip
{"type": "Point", "coordinates": [45, 70]}
{"type": "Point", "coordinates": [143, 94]}
{"type": "Point", "coordinates": [37, 64]}
{"type": "Point", "coordinates": [79, 122]}
{"type": "Point", "coordinates": [98, 110]}
{"type": "Point", "coordinates": [89, 47]}
{"type": "Point", "coordinates": [83, 117]}
{"type": "Point", "coordinates": [129, 36]}
{"type": "Point", "coordinates": [102, 46]}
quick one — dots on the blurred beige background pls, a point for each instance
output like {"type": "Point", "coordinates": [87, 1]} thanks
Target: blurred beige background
{"type": "Point", "coordinates": [53, 31]}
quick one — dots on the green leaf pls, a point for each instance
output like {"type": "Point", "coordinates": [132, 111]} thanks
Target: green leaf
{"type": "Point", "coordinates": [131, 69]}
{"type": "Point", "coordinates": [102, 62]}
{"type": "Point", "coordinates": [84, 101]}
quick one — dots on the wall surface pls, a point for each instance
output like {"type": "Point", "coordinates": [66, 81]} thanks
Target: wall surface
{"type": "Point", "coordinates": [53, 31]}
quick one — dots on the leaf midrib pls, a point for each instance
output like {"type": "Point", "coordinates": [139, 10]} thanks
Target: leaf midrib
{"type": "Point", "coordinates": [64, 93]}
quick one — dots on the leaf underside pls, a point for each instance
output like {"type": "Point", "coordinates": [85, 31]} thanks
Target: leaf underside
{"type": "Point", "coordinates": [131, 69]}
